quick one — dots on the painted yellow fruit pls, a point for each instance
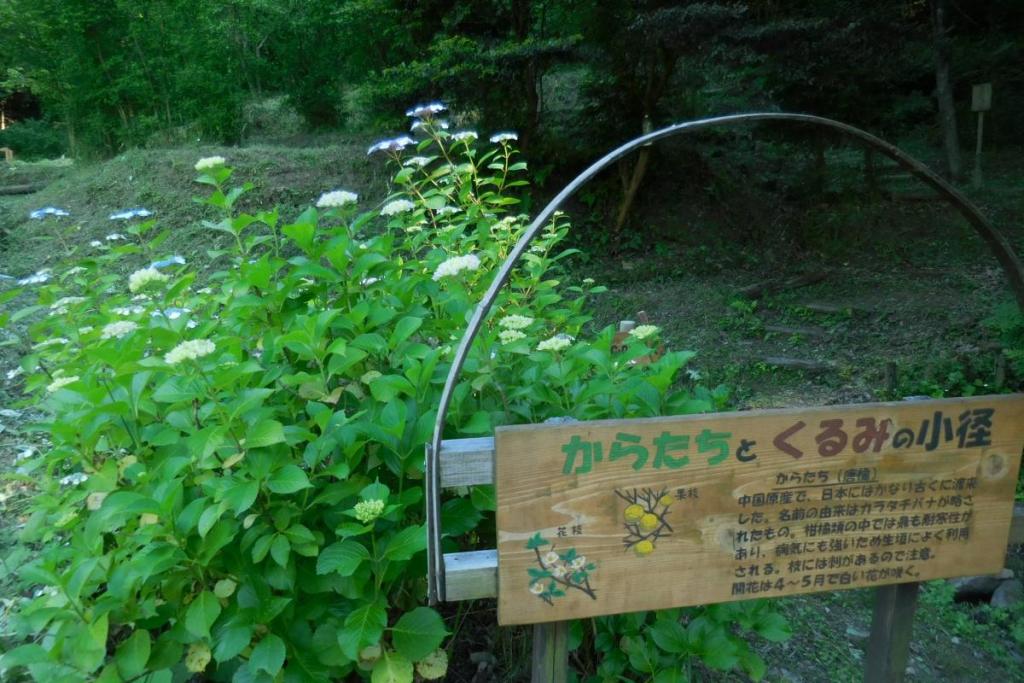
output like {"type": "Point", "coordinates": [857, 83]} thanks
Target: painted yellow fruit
{"type": "Point", "coordinates": [666, 500]}
{"type": "Point", "coordinates": [649, 522]}
{"type": "Point", "coordinates": [643, 548]}
{"type": "Point", "coordinates": [634, 513]}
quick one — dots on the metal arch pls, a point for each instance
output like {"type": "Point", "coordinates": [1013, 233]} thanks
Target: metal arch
{"type": "Point", "coordinates": [996, 241]}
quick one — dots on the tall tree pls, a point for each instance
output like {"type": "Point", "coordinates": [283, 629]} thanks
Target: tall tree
{"type": "Point", "coordinates": [943, 54]}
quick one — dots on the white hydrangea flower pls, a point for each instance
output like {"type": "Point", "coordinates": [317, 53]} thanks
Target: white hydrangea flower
{"type": "Point", "coordinates": [464, 135]}
{"type": "Point", "coordinates": [114, 236]}
{"type": "Point", "coordinates": [418, 162]}
{"type": "Point", "coordinates": [515, 322]}
{"type": "Point", "coordinates": [189, 350]}
{"type": "Point", "coordinates": [36, 278]}
{"type": "Point", "coordinates": [206, 163]}
{"type": "Point", "coordinates": [85, 329]}
{"type": "Point", "coordinates": [447, 210]}
{"type": "Point", "coordinates": [61, 382]}
{"type": "Point", "coordinates": [397, 206]}
{"type": "Point", "coordinates": [60, 306]}
{"type": "Point", "coordinates": [95, 243]}
{"type": "Point", "coordinates": [418, 227]}
{"type": "Point", "coordinates": [426, 110]}
{"type": "Point", "coordinates": [336, 198]}
{"type": "Point", "coordinates": [509, 336]}
{"type": "Point", "coordinates": [367, 281]}
{"type": "Point", "coordinates": [588, 280]}
{"type": "Point", "coordinates": [74, 479]}
{"type": "Point", "coordinates": [393, 145]}
{"type": "Point", "coordinates": [75, 271]}
{"type": "Point", "coordinates": [127, 310]}
{"type": "Point", "coordinates": [643, 331]}
{"type": "Point", "coordinates": [551, 558]}
{"type": "Point", "coordinates": [556, 343]}
{"type": "Point", "coordinates": [456, 265]}
{"type": "Point", "coordinates": [504, 137]}
{"type": "Point", "coordinates": [420, 125]}
{"type": "Point", "coordinates": [368, 510]}
{"type": "Point", "coordinates": [119, 329]}
{"type": "Point", "coordinates": [144, 277]}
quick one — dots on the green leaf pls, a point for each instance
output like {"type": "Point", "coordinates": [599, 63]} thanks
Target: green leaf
{"type": "Point", "coordinates": [264, 433]}
{"type": "Point", "coordinates": [201, 614]}
{"type": "Point", "coordinates": [280, 549]}
{"type": "Point", "coordinates": [774, 627]}
{"type": "Point", "coordinates": [231, 642]}
{"type": "Point", "coordinates": [418, 633]}
{"type": "Point", "coordinates": [363, 626]}
{"type": "Point", "coordinates": [133, 654]}
{"type": "Point", "coordinates": [670, 636]}
{"type": "Point", "coordinates": [288, 479]}
{"type": "Point", "coordinates": [343, 557]}
{"type": "Point", "coordinates": [483, 498]}
{"type": "Point", "coordinates": [23, 656]}
{"type": "Point", "coordinates": [406, 543]}
{"type": "Point", "coordinates": [392, 667]}
{"type": "Point", "coordinates": [674, 675]}
{"type": "Point", "coordinates": [404, 329]}
{"type": "Point", "coordinates": [175, 389]}
{"type": "Point", "coordinates": [268, 655]}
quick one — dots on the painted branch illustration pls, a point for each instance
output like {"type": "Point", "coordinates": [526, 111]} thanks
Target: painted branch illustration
{"type": "Point", "coordinates": [556, 572]}
{"type": "Point", "coordinates": [645, 519]}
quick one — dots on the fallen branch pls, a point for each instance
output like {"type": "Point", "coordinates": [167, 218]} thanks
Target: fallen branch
{"type": "Point", "coordinates": [761, 289]}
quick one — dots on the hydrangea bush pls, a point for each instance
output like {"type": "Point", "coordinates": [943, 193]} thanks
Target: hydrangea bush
{"type": "Point", "coordinates": [234, 486]}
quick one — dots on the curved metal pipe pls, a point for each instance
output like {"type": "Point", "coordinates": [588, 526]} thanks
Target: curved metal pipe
{"type": "Point", "coordinates": [996, 241]}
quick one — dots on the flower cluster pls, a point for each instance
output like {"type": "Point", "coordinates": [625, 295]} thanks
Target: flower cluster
{"type": "Point", "coordinates": [336, 199]}
{"type": "Point", "coordinates": [456, 265]}
{"type": "Point", "coordinates": [368, 510]}
{"type": "Point", "coordinates": [119, 329]}
{"type": "Point", "coordinates": [74, 479]}
{"type": "Point", "coordinates": [61, 382]}
{"type": "Point", "coordinates": [208, 163]}
{"type": "Point", "coordinates": [145, 277]}
{"type": "Point", "coordinates": [643, 331]}
{"type": "Point", "coordinates": [509, 336]}
{"type": "Point", "coordinates": [515, 322]}
{"type": "Point", "coordinates": [39, 214]}
{"type": "Point", "coordinates": [189, 350]}
{"type": "Point", "coordinates": [397, 206]}
{"type": "Point", "coordinates": [557, 343]}
{"type": "Point", "coordinates": [129, 214]}
{"type": "Point", "coordinates": [393, 145]}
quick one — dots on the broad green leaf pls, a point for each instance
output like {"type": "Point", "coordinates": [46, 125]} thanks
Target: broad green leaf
{"type": "Point", "coordinates": [231, 642]}
{"type": "Point", "coordinates": [774, 627]}
{"type": "Point", "coordinates": [133, 654]}
{"type": "Point", "coordinates": [483, 498]}
{"type": "Point", "coordinates": [392, 667]}
{"type": "Point", "coordinates": [23, 656]}
{"type": "Point", "coordinates": [343, 557]}
{"type": "Point", "coordinates": [406, 543]}
{"type": "Point", "coordinates": [418, 633]}
{"type": "Point", "coordinates": [264, 433]}
{"type": "Point", "coordinates": [280, 549]}
{"type": "Point", "coordinates": [201, 614]}
{"type": "Point", "coordinates": [288, 479]}
{"type": "Point", "coordinates": [670, 636]}
{"type": "Point", "coordinates": [363, 626]}
{"type": "Point", "coordinates": [268, 655]}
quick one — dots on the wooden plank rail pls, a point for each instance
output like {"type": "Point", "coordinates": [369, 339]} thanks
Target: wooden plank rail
{"type": "Point", "coordinates": [474, 575]}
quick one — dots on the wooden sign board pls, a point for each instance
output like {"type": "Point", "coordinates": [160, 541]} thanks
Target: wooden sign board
{"type": "Point", "coordinates": [619, 516]}
{"type": "Point", "coordinates": [981, 97]}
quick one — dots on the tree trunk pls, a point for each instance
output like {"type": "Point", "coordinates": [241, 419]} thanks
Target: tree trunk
{"type": "Point", "coordinates": [944, 89]}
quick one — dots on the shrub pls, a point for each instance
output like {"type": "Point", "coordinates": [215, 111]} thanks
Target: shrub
{"type": "Point", "coordinates": [32, 139]}
{"type": "Point", "coordinates": [234, 485]}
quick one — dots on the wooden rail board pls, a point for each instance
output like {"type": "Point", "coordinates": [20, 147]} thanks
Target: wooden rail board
{"type": "Point", "coordinates": [619, 516]}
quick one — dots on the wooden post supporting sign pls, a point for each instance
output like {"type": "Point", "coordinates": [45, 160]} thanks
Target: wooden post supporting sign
{"type": "Point", "coordinates": [981, 102]}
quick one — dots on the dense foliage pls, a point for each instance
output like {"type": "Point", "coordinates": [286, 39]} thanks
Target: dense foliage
{"type": "Point", "coordinates": [234, 484]}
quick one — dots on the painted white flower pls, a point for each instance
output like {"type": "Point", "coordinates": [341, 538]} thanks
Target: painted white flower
{"type": "Point", "coordinates": [336, 198]}
{"type": "Point", "coordinates": [418, 162]}
{"type": "Point", "coordinates": [421, 111]}
{"type": "Point", "coordinates": [74, 479]}
{"type": "Point", "coordinates": [515, 322]}
{"type": "Point", "coordinates": [536, 588]}
{"type": "Point", "coordinates": [579, 563]}
{"type": "Point", "coordinates": [368, 510]}
{"type": "Point", "coordinates": [119, 329]}
{"type": "Point", "coordinates": [556, 343]}
{"type": "Point", "coordinates": [144, 277]}
{"type": "Point", "coordinates": [559, 571]}
{"type": "Point", "coordinates": [551, 558]}
{"type": "Point", "coordinates": [189, 350]}
{"type": "Point", "coordinates": [465, 136]}
{"type": "Point", "coordinates": [643, 331]}
{"type": "Point", "coordinates": [206, 163]}
{"type": "Point", "coordinates": [456, 265]}
{"type": "Point", "coordinates": [504, 137]}
{"type": "Point", "coordinates": [509, 336]}
{"type": "Point", "coordinates": [397, 206]}
{"type": "Point", "coordinates": [61, 382]}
